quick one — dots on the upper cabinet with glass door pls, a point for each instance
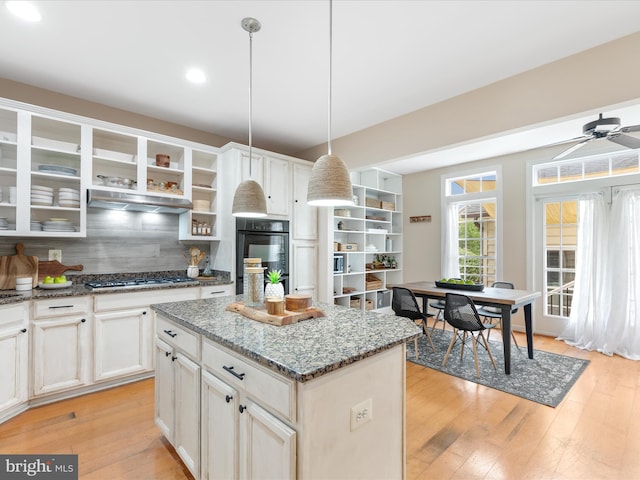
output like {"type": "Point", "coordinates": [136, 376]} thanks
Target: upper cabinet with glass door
{"type": "Point", "coordinates": [8, 171]}
{"type": "Point", "coordinates": [55, 206]}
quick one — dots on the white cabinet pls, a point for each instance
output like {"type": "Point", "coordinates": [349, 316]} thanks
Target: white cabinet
{"type": "Point", "coordinates": [177, 390]}
{"type": "Point", "coordinates": [210, 291]}
{"type": "Point", "coordinates": [305, 261]}
{"type": "Point", "coordinates": [276, 187]}
{"type": "Point", "coordinates": [61, 339]}
{"type": "Point", "coordinates": [202, 222]}
{"type": "Point", "coordinates": [14, 359]}
{"type": "Point", "coordinates": [367, 241]}
{"type": "Point", "coordinates": [122, 343]}
{"type": "Point", "coordinates": [304, 221]}
{"type": "Point", "coordinates": [240, 437]}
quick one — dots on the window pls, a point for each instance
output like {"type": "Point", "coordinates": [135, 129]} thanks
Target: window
{"type": "Point", "coordinates": [475, 215]}
{"type": "Point", "coordinates": [587, 168]}
{"type": "Point", "coordinates": [560, 230]}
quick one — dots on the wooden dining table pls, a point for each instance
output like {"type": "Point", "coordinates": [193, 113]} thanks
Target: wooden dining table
{"type": "Point", "coordinates": [505, 299]}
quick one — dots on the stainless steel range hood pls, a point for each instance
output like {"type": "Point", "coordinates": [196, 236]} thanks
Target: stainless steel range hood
{"type": "Point", "coordinates": [131, 201]}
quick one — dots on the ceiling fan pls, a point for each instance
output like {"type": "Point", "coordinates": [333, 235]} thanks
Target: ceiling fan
{"type": "Point", "coordinates": [609, 128]}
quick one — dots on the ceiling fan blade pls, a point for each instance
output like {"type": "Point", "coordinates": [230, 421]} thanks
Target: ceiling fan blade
{"type": "Point", "coordinates": [624, 140]}
{"type": "Point", "coordinates": [632, 128]}
{"type": "Point", "coordinates": [572, 148]}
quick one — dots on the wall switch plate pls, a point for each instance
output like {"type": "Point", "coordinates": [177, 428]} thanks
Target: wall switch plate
{"type": "Point", "coordinates": [55, 255]}
{"type": "Point", "coordinates": [361, 413]}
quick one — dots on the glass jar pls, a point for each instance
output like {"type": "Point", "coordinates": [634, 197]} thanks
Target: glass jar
{"type": "Point", "coordinates": [254, 288]}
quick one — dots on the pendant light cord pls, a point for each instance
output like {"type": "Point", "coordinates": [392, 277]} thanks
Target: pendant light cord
{"type": "Point", "coordinates": [330, 71]}
{"type": "Point", "coordinates": [250, 102]}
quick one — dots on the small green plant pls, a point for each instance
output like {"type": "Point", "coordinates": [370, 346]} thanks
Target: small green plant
{"type": "Point", "coordinates": [274, 276]}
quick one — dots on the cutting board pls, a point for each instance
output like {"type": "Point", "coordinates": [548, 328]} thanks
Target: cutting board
{"type": "Point", "coordinates": [54, 268]}
{"type": "Point", "coordinates": [261, 315]}
{"type": "Point", "coordinates": [19, 265]}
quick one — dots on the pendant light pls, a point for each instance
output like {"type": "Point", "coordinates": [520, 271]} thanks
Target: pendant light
{"type": "Point", "coordinates": [249, 200]}
{"type": "Point", "coordinates": [330, 183]}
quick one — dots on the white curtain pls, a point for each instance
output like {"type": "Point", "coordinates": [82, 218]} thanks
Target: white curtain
{"type": "Point", "coordinates": [605, 313]}
{"type": "Point", "coordinates": [591, 299]}
{"type": "Point", "coordinates": [450, 251]}
{"type": "Point", "coordinates": [623, 329]}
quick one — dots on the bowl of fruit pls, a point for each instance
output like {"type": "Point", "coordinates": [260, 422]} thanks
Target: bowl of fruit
{"type": "Point", "coordinates": [459, 284]}
{"type": "Point", "coordinates": [50, 283]}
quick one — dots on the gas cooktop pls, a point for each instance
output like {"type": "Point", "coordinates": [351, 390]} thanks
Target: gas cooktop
{"type": "Point", "coordinates": [137, 282]}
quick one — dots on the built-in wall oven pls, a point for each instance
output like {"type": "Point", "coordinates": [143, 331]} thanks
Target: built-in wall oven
{"type": "Point", "coordinates": [265, 239]}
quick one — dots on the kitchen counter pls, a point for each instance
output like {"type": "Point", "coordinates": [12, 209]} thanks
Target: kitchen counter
{"type": "Point", "coordinates": [14, 296]}
{"type": "Point", "coordinates": [302, 351]}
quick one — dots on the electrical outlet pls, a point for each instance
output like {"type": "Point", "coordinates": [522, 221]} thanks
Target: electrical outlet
{"type": "Point", "coordinates": [55, 255]}
{"type": "Point", "coordinates": [361, 413]}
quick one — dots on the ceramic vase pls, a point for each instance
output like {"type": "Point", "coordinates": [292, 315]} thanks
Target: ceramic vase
{"type": "Point", "coordinates": [193, 271]}
{"type": "Point", "coordinates": [274, 290]}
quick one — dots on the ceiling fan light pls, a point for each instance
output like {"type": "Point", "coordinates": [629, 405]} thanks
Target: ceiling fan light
{"type": "Point", "coordinates": [249, 200]}
{"type": "Point", "coordinates": [330, 183]}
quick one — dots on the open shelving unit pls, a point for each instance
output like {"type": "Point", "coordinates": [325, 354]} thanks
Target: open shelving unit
{"type": "Point", "coordinates": [367, 241]}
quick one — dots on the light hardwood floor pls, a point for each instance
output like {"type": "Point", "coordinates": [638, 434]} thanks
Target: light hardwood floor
{"type": "Point", "coordinates": [455, 429]}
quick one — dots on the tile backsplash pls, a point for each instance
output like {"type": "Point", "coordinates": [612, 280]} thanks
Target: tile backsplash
{"type": "Point", "coordinates": [116, 242]}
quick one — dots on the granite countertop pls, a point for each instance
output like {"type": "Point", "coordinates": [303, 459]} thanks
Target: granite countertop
{"type": "Point", "coordinates": [302, 351]}
{"type": "Point", "coordinates": [8, 297]}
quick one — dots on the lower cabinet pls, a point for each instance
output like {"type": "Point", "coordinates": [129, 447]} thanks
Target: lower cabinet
{"type": "Point", "coordinates": [240, 439]}
{"type": "Point", "coordinates": [14, 357]}
{"type": "Point", "coordinates": [177, 392]}
{"type": "Point", "coordinates": [121, 343]}
{"type": "Point", "coordinates": [61, 338]}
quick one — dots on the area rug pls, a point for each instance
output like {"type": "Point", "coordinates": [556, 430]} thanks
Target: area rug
{"type": "Point", "coordinates": [545, 379]}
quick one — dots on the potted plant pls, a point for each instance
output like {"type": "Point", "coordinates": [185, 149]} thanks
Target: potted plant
{"type": "Point", "coordinates": [274, 288]}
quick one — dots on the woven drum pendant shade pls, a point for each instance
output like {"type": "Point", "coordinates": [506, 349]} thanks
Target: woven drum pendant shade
{"type": "Point", "coordinates": [330, 184]}
{"type": "Point", "coordinates": [249, 200]}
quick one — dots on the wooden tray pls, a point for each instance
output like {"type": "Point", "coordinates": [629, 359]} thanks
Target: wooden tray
{"type": "Point", "coordinates": [19, 265]}
{"type": "Point", "coordinates": [54, 268]}
{"type": "Point", "coordinates": [261, 315]}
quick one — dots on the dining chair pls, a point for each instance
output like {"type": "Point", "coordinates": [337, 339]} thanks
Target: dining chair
{"type": "Point", "coordinates": [460, 312]}
{"type": "Point", "coordinates": [404, 304]}
{"type": "Point", "coordinates": [489, 312]}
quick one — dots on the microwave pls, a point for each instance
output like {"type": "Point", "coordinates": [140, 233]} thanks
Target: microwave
{"type": "Point", "coordinates": [338, 264]}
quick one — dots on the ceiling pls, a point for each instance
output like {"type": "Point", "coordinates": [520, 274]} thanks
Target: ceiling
{"type": "Point", "coordinates": [389, 58]}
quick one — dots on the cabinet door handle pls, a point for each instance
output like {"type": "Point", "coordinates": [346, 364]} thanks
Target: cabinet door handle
{"type": "Point", "coordinates": [233, 372]}
{"type": "Point", "coordinates": [166, 354]}
{"type": "Point", "coordinates": [215, 293]}
{"type": "Point", "coordinates": [228, 398]}
{"type": "Point", "coordinates": [144, 313]}
{"type": "Point", "coordinates": [24, 330]}
{"type": "Point", "coordinates": [242, 408]}
{"type": "Point", "coordinates": [61, 306]}
{"type": "Point", "coordinates": [173, 359]}
{"type": "Point", "coordinates": [83, 320]}
{"type": "Point", "coordinates": [170, 333]}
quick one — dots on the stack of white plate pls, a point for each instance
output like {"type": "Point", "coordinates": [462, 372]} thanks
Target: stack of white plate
{"type": "Point", "coordinates": [68, 197]}
{"type": "Point", "coordinates": [4, 225]}
{"type": "Point", "coordinates": [58, 225]}
{"type": "Point", "coordinates": [36, 226]}
{"type": "Point", "coordinates": [41, 195]}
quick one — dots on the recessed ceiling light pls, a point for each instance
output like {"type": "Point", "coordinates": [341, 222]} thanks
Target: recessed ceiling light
{"type": "Point", "coordinates": [195, 75]}
{"type": "Point", "coordinates": [24, 10]}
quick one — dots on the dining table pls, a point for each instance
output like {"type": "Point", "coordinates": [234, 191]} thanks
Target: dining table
{"type": "Point", "coordinates": [505, 299]}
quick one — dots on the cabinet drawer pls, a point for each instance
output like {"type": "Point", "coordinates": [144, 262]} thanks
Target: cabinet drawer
{"type": "Point", "coordinates": [178, 337]}
{"type": "Point", "coordinates": [266, 387]}
{"type": "Point", "coordinates": [119, 301]}
{"type": "Point", "coordinates": [60, 307]}
{"type": "Point", "coordinates": [13, 314]}
{"type": "Point", "coordinates": [212, 291]}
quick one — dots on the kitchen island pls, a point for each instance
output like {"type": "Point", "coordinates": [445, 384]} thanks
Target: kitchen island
{"type": "Point", "coordinates": [322, 398]}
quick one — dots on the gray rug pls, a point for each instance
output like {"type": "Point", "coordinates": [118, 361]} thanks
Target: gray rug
{"type": "Point", "coordinates": [544, 379]}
